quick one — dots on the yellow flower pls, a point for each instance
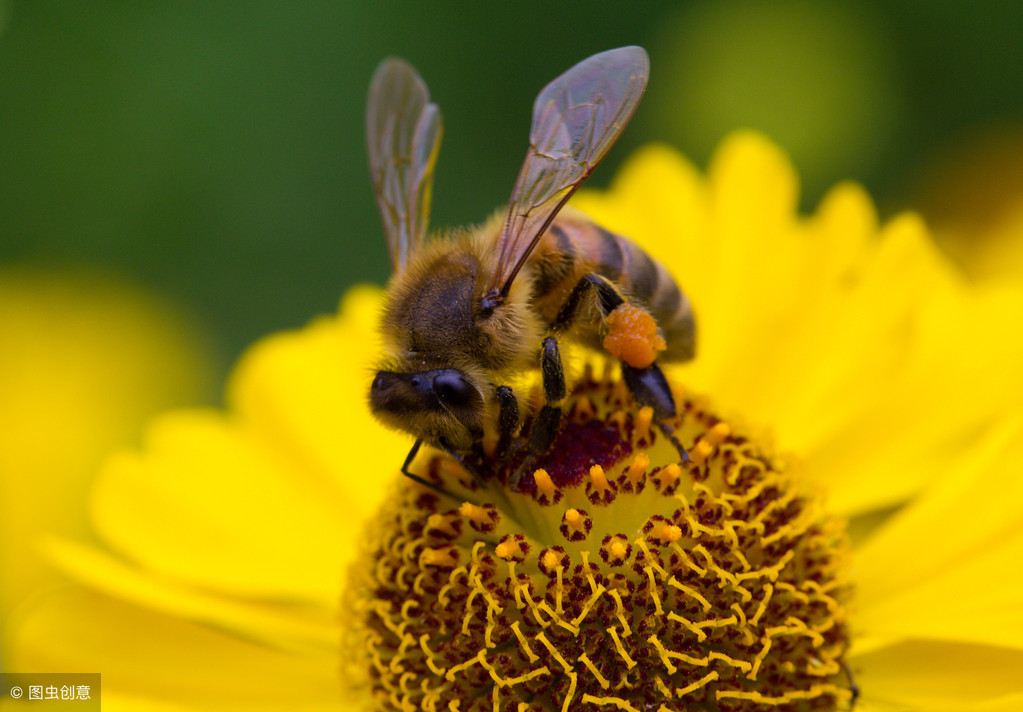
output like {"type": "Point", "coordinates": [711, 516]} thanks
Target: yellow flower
{"type": "Point", "coordinates": [882, 380]}
{"type": "Point", "coordinates": [85, 360]}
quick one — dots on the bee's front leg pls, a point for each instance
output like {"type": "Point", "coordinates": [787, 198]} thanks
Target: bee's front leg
{"type": "Point", "coordinates": [507, 418]}
{"type": "Point", "coordinates": [416, 478]}
{"type": "Point", "coordinates": [546, 423]}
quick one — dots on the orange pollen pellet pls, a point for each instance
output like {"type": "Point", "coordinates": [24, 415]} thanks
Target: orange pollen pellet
{"type": "Point", "coordinates": [617, 550]}
{"type": "Point", "coordinates": [598, 478]}
{"type": "Point", "coordinates": [550, 560]}
{"type": "Point", "coordinates": [544, 483]}
{"type": "Point", "coordinates": [632, 336]}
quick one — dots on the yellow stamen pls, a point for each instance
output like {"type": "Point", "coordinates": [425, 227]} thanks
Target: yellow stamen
{"type": "Point", "coordinates": [716, 435]}
{"type": "Point", "coordinates": [638, 468]}
{"type": "Point", "coordinates": [643, 421]}
{"type": "Point", "coordinates": [574, 519]}
{"type": "Point", "coordinates": [618, 419]}
{"type": "Point", "coordinates": [583, 410]}
{"type": "Point", "coordinates": [666, 533]}
{"type": "Point", "coordinates": [441, 524]}
{"type": "Point", "coordinates": [668, 475]}
{"type": "Point", "coordinates": [446, 556]}
{"type": "Point", "coordinates": [701, 451]}
{"type": "Point", "coordinates": [544, 484]}
{"type": "Point", "coordinates": [479, 515]}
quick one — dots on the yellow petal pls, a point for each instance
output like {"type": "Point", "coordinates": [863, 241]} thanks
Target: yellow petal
{"type": "Point", "coordinates": [831, 331]}
{"type": "Point", "coordinates": [940, 677]}
{"type": "Point", "coordinates": [959, 376]}
{"type": "Point", "coordinates": [947, 566]}
{"type": "Point", "coordinates": [283, 625]}
{"type": "Point", "coordinates": [304, 394]}
{"type": "Point", "coordinates": [85, 359]}
{"type": "Point", "coordinates": [169, 661]}
{"type": "Point", "coordinates": [209, 503]}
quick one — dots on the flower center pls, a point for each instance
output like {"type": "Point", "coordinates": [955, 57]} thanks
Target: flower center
{"type": "Point", "coordinates": [617, 577]}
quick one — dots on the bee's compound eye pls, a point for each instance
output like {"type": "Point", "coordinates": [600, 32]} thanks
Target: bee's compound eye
{"type": "Point", "coordinates": [452, 388]}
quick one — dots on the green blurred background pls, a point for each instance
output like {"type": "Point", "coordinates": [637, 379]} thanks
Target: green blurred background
{"type": "Point", "coordinates": [214, 151]}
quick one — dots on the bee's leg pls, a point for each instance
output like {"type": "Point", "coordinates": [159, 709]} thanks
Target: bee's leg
{"type": "Point", "coordinates": [545, 426]}
{"type": "Point", "coordinates": [648, 385]}
{"type": "Point", "coordinates": [413, 476]}
{"type": "Point", "coordinates": [547, 421]}
{"type": "Point", "coordinates": [432, 485]}
{"type": "Point", "coordinates": [853, 687]}
{"type": "Point", "coordinates": [507, 419]}
{"type": "Point", "coordinates": [608, 299]}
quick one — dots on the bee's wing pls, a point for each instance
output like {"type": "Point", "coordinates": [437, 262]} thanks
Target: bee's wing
{"type": "Point", "coordinates": [576, 119]}
{"type": "Point", "coordinates": [403, 131]}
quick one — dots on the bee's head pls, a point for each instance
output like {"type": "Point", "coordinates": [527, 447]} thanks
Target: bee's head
{"type": "Point", "coordinates": [441, 404]}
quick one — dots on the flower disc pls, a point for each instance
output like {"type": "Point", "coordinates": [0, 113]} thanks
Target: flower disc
{"type": "Point", "coordinates": [617, 574]}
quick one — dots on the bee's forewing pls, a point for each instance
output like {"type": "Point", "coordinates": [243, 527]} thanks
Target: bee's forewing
{"type": "Point", "coordinates": [576, 120]}
{"type": "Point", "coordinates": [403, 131]}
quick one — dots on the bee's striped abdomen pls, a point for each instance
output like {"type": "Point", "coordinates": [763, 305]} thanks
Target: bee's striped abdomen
{"type": "Point", "coordinates": [572, 248]}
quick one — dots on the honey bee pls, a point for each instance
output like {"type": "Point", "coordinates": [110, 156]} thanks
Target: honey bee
{"type": "Point", "coordinates": [468, 312]}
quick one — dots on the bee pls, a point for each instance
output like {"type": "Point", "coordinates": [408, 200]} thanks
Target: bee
{"type": "Point", "coordinates": [468, 312]}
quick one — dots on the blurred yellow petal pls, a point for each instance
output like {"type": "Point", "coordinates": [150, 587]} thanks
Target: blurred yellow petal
{"type": "Point", "coordinates": [150, 656]}
{"type": "Point", "coordinates": [208, 501]}
{"type": "Point", "coordinates": [966, 535]}
{"type": "Point", "coordinates": [299, 626]}
{"type": "Point", "coordinates": [305, 395]}
{"type": "Point", "coordinates": [943, 677]}
{"type": "Point", "coordinates": [85, 358]}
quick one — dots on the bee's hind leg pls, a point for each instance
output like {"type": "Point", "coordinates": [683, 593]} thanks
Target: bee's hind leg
{"type": "Point", "coordinates": [648, 385]}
